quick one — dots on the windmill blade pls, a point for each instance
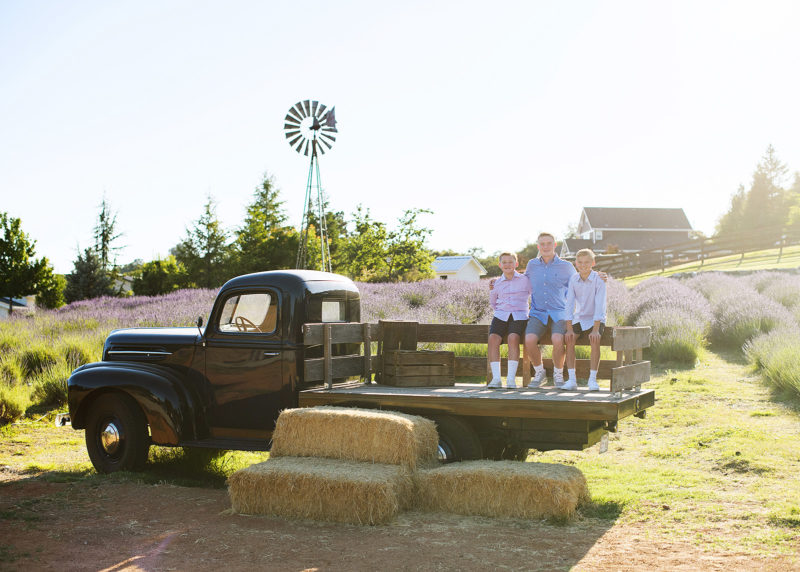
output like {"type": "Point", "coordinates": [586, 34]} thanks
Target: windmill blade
{"type": "Point", "coordinates": [291, 121]}
{"type": "Point", "coordinates": [299, 107]}
{"type": "Point", "coordinates": [326, 143]}
{"type": "Point", "coordinates": [307, 106]}
{"type": "Point", "coordinates": [314, 105]}
{"type": "Point", "coordinates": [305, 151]}
{"type": "Point", "coordinates": [295, 140]}
{"type": "Point", "coordinates": [321, 149]}
{"type": "Point", "coordinates": [330, 130]}
{"type": "Point", "coordinates": [322, 109]}
{"type": "Point", "coordinates": [292, 134]}
{"type": "Point", "coordinates": [289, 126]}
{"type": "Point", "coordinates": [299, 147]}
{"type": "Point", "coordinates": [331, 137]}
{"type": "Point", "coordinates": [294, 113]}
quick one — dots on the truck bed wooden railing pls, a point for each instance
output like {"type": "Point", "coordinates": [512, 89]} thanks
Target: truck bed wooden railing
{"type": "Point", "coordinates": [627, 371]}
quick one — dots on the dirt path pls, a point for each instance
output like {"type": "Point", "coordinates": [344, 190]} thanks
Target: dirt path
{"type": "Point", "coordinates": [110, 525]}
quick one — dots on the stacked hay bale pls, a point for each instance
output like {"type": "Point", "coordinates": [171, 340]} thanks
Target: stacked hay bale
{"type": "Point", "coordinates": [337, 464]}
{"type": "Point", "coordinates": [503, 489]}
{"type": "Point", "coordinates": [364, 466]}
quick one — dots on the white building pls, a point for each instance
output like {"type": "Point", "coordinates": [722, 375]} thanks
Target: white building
{"type": "Point", "coordinates": [22, 305]}
{"type": "Point", "coordinates": [465, 268]}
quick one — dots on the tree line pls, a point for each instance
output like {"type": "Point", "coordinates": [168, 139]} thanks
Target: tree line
{"type": "Point", "coordinates": [362, 248]}
{"type": "Point", "coordinates": [209, 254]}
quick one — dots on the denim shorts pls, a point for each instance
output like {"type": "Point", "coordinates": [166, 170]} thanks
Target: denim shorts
{"type": "Point", "coordinates": [537, 328]}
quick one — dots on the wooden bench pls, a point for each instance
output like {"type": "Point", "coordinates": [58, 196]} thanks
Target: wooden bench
{"type": "Point", "coordinates": [627, 371]}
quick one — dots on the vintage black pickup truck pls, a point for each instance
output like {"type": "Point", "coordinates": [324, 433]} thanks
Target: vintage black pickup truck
{"type": "Point", "coordinates": [284, 339]}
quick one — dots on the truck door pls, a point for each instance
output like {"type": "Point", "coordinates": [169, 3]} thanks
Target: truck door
{"type": "Point", "coordinates": [245, 357]}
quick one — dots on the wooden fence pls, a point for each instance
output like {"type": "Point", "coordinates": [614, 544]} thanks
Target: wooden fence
{"type": "Point", "coordinates": [633, 263]}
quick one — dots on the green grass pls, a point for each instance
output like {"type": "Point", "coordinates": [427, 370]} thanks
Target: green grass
{"type": "Point", "coordinates": [714, 463]}
{"type": "Point", "coordinates": [757, 260]}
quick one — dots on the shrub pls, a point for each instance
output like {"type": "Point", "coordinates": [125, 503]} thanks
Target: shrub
{"type": "Point", "coordinates": [77, 352]}
{"type": "Point", "coordinates": [677, 336]}
{"type": "Point", "coordinates": [14, 401]}
{"type": "Point", "coordinates": [10, 372]}
{"type": "Point", "coordinates": [777, 356]}
{"type": "Point", "coordinates": [36, 359]}
{"type": "Point", "coordinates": [618, 302]}
{"type": "Point", "coordinates": [785, 290]}
{"type": "Point", "coordinates": [668, 293]}
{"type": "Point", "coordinates": [50, 386]}
{"type": "Point", "coordinates": [742, 314]}
{"type": "Point", "coordinates": [714, 284]}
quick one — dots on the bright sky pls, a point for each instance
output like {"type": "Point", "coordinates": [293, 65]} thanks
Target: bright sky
{"type": "Point", "coordinates": [504, 118]}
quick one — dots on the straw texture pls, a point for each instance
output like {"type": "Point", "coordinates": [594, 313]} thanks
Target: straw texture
{"type": "Point", "coordinates": [355, 434]}
{"type": "Point", "coordinates": [322, 489]}
{"type": "Point", "coordinates": [503, 488]}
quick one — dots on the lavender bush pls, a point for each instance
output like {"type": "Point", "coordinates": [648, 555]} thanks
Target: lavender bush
{"type": "Point", "coordinates": [740, 315]}
{"type": "Point", "coordinates": [714, 284]}
{"type": "Point", "coordinates": [777, 355]}
{"type": "Point", "coordinates": [670, 294]}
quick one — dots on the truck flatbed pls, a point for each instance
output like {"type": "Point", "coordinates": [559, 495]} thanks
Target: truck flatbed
{"type": "Point", "coordinates": [480, 401]}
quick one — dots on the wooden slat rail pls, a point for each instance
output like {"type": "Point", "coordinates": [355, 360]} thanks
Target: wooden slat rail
{"type": "Point", "coordinates": [628, 371]}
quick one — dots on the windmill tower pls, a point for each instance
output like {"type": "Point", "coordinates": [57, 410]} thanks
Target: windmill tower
{"type": "Point", "coordinates": [310, 129]}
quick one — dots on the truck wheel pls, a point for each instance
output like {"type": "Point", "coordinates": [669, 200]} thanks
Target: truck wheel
{"type": "Point", "coordinates": [457, 440]}
{"type": "Point", "coordinates": [499, 450]}
{"type": "Point", "coordinates": [116, 434]}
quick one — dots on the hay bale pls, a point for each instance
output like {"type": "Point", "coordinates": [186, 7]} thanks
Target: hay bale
{"type": "Point", "coordinates": [503, 488]}
{"type": "Point", "coordinates": [322, 489]}
{"type": "Point", "coordinates": [355, 434]}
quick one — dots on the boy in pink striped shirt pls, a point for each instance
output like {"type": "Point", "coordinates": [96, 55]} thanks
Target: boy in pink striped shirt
{"type": "Point", "coordinates": [509, 300]}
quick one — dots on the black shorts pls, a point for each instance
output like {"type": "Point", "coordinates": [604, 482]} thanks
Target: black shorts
{"type": "Point", "coordinates": [510, 326]}
{"type": "Point", "coordinates": [578, 331]}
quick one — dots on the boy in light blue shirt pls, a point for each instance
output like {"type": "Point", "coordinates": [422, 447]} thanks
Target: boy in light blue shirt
{"type": "Point", "coordinates": [586, 314]}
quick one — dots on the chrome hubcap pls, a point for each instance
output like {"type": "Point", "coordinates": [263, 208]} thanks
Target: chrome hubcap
{"type": "Point", "coordinates": [110, 438]}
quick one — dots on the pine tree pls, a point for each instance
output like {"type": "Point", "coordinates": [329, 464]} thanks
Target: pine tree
{"type": "Point", "coordinates": [204, 252]}
{"type": "Point", "coordinates": [264, 242]}
{"type": "Point", "coordinates": [88, 279]}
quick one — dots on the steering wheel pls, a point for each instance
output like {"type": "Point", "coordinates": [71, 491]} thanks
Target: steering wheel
{"type": "Point", "coordinates": [245, 325]}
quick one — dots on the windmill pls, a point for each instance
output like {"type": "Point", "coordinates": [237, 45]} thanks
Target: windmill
{"type": "Point", "coordinates": [310, 129]}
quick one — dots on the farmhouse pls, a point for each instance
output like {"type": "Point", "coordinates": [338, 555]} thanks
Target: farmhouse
{"type": "Point", "coordinates": [614, 230]}
{"type": "Point", "coordinates": [465, 268]}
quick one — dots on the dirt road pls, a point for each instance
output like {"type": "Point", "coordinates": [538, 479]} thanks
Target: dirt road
{"type": "Point", "coordinates": [107, 524]}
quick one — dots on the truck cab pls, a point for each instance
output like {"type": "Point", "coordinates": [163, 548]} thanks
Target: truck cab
{"type": "Point", "coordinates": [221, 385]}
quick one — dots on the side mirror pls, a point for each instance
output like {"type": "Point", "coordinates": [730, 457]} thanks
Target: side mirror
{"type": "Point", "coordinates": [200, 322]}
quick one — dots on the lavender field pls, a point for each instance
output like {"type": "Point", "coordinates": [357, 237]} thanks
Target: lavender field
{"type": "Point", "coordinates": [757, 314]}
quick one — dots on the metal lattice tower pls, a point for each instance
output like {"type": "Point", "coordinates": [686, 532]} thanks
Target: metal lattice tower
{"type": "Point", "coordinates": [310, 129]}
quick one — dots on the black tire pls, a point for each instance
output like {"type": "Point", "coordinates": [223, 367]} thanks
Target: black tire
{"type": "Point", "coordinates": [116, 434]}
{"type": "Point", "coordinates": [499, 450]}
{"type": "Point", "coordinates": [457, 439]}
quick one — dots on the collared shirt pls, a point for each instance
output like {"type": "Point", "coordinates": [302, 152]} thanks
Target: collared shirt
{"type": "Point", "coordinates": [549, 287]}
{"type": "Point", "coordinates": [510, 297]}
{"type": "Point", "coordinates": [586, 300]}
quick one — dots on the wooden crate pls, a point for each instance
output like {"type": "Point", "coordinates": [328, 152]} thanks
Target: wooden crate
{"type": "Point", "coordinates": [409, 368]}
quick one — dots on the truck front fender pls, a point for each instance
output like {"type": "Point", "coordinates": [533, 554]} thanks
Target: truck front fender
{"type": "Point", "coordinates": [162, 395]}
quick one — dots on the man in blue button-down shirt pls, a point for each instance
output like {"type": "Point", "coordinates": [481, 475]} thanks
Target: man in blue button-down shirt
{"type": "Point", "coordinates": [549, 276]}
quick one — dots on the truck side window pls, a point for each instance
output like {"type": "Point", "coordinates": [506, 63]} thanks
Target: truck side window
{"type": "Point", "coordinates": [252, 313]}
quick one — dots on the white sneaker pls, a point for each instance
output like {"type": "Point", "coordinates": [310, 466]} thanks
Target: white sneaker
{"type": "Point", "coordinates": [570, 385]}
{"type": "Point", "coordinates": [558, 379]}
{"type": "Point", "coordinates": [512, 383]}
{"type": "Point", "coordinates": [538, 379]}
{"type": "Point", "coordinates": [495, 383]}
{"type": "Point", "coordinates": [593, 385]}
